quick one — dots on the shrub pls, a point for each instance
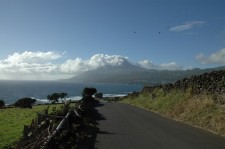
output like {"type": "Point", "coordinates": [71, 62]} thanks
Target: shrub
{"type": "Point", "coordinates": [2, 103]}
{"type": "Point", "coordinates": [25, 102]}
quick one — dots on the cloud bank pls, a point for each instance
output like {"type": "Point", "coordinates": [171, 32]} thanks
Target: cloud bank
{"type": "Point", "coordinates": [96, 61]}
{"type": "Point", "coordinates": [32, 57]}
{"type": "Point", "coordinates": [27, 64]}
{"type": "Point", "coordinates": [41, 65]}
{"type": "Point", "coordinates": [215, 58]}
{"type": "Point", "coordinates": [186, 26]}
{"type": "Point", "coordinates": [165, 66]}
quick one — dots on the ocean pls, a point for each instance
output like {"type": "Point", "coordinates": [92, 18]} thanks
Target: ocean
{"type": "Point", "coordinates": [11, 91]}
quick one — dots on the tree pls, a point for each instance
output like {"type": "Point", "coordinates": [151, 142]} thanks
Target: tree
{"type": "Point", "coordinates": [89, 91]}
{"type": "Point", "coordinates": [99, 95]}
{"type": "Point", "coordinates": [25, 102]}
{"type": "Point", "coordinates": [62, 95]}
{"type": "Point", "coordinates": [2, 103]}
{"type": "Point", "coordinates": [87, 102]}
{"type": "Point", "coordinates": [55, 96]}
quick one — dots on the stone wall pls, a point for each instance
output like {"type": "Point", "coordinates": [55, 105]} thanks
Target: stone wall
{"type": "Point", "coordinates": [212, 84]}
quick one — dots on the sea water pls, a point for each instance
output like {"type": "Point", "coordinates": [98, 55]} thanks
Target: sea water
{"type": "Point", "coordinates": [11, 91]}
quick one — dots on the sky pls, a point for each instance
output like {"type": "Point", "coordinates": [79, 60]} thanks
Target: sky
{"type": "Point", "coordinates": [57, 39]}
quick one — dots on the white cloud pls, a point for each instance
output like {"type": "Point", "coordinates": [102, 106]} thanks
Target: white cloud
{"type": "Point", "coordinates": [165, 66]}
{"type": "Point", "coordinates": [73, 66]}
{"type": "Point", "coordinates": [96, 61]}
{"type": "Point", "coordinates": [32, 57]}
{"type": "Point", "coordinates": [42, 66]}
{"type": "Point", "coordinates": [19, 65]}
{"type": "Point", "coordinates": [215, 58]}
{"type": "Point", "coordinates": [147, 64]}
{"type": "Point", "coordinates": [186, 26]}
{"type": "Point", "coordinates": [101, 60]}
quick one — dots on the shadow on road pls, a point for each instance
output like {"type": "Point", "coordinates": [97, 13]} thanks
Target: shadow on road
{"type": "Point", "coordinates": [89, 128]}
{"type": "Point", "coordinates": [108, 133]}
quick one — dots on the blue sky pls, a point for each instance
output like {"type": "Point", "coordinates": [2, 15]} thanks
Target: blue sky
{"type": "Point", "coordinates": [66, 36]}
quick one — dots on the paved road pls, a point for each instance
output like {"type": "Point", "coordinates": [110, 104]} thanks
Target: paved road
{"type": "Point", "coordinates": [126, 127]}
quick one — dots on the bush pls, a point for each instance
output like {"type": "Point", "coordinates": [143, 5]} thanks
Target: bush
{"type": "Point", "coordinates": [2, 103]}
{"type": "Point", "coordinates": [25, 102]}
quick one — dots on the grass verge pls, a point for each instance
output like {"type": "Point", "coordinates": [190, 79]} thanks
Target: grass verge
{"type": "Point", "coordinates": [199, 111]}
{"type": "Point", "coordinates": [12, 122]}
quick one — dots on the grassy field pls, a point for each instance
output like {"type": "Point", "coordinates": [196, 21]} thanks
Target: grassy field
{"type": "Point", "coordinates": [199, 110]}
{"type": "Point", "coordinates": [12, 122]}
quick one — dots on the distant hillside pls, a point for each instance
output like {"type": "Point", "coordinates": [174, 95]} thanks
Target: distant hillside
{"type": "Point", "coordinates": [133, 74]}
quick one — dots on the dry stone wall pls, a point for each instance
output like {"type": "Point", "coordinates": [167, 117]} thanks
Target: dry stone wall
{"type": "Point", "coordinates": [212, 84]}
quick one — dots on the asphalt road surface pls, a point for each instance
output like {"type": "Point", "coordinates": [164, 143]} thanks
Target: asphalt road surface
{"type": "Point", "coordinates": [123, 126]}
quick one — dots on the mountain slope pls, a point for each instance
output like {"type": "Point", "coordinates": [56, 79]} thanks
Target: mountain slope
{"type": "Point", "coordinates": [129, 73]}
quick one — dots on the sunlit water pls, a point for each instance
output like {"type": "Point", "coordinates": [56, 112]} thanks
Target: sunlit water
{"type": "Point", "coordinates": [10, 91]}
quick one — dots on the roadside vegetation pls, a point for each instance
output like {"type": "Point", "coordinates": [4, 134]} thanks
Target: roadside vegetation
{"type": "Point", "coordinates": [12, 121]}
{"type": "Point", "coordinates": [198, 110]}
{"type": "Point", "coordinates": [2, 103]}
{"type": "Point", "coordinates": [15, 120]}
